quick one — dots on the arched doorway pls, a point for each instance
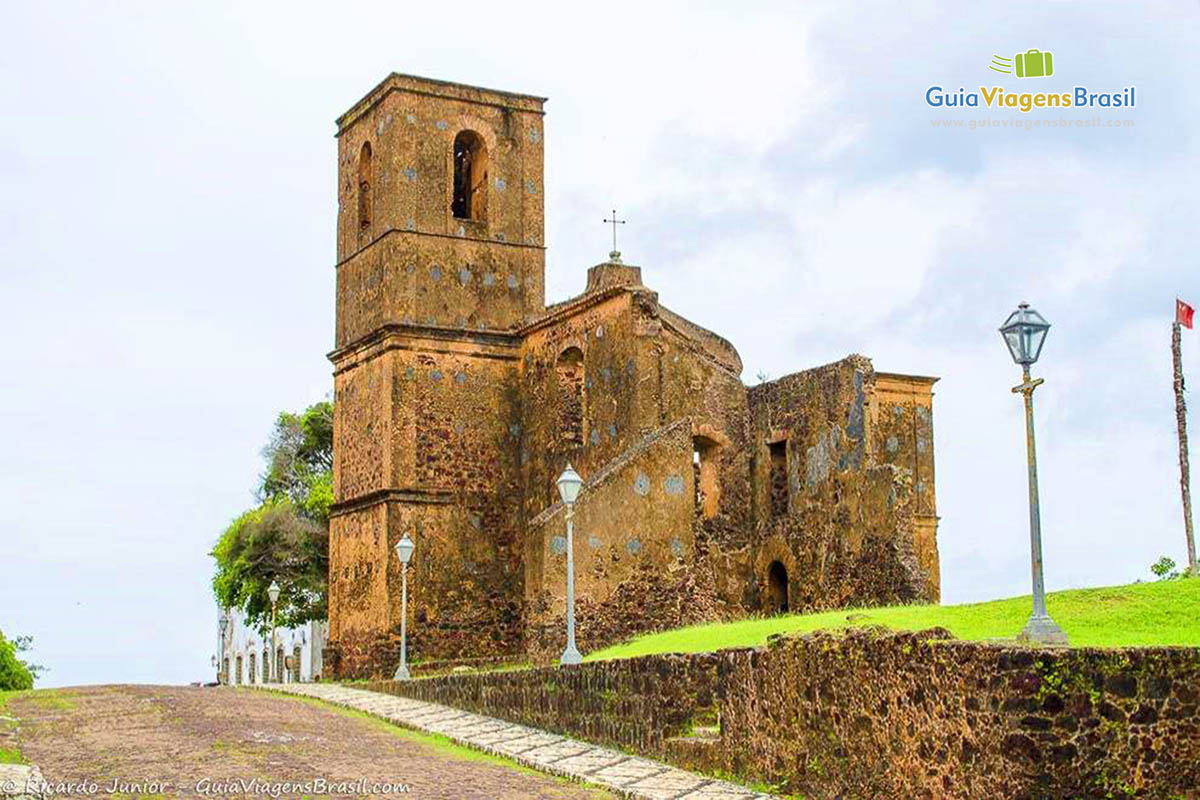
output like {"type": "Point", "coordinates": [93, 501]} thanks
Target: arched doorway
{"type": "Point", "coordinates": [777, 588]}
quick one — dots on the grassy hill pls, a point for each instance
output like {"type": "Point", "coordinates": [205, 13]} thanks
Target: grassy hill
{"type": "Point", "coordinates": [1160, 613]}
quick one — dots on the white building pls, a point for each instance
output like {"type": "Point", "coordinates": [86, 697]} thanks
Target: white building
{"type": "Point", "coordinates": [246, 654]}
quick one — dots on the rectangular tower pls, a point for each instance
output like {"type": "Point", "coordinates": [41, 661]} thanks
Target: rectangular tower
{"type": "Point", "coordinates": [440, 259]}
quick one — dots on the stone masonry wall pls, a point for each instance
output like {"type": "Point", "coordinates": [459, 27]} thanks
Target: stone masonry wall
{"type": "Point", "coordinates": [638, 704]}
{"type": "Point", "coordinates": [846, 532]}
{"type": "Point", "coordinates": [637, 564]}
{"type": "Point", "coordinates": [876, 714]}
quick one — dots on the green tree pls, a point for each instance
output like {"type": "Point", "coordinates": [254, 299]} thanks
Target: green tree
{"type": "Point", "coordinates": [299, 454]}
{"type": "Point", "coordinates": [23, 644]}
{"type": "Point", "coordinates": [286, 537]}
{"type": "Point", "coordinates": [1164, 568]}
{"type": "Point", "coordinates": [13, 673]}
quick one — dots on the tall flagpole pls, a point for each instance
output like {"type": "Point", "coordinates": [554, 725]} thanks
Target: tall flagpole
{"type": "Point", "coordinates": [1184, 473]}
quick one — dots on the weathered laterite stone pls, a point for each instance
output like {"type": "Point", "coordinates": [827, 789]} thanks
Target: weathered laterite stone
{"type": "Point", "coordinates": [461, 396]}
{"type": "Point", "coordinates": [876, 714]}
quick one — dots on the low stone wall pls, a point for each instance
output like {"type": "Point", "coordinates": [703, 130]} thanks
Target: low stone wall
{"type": "Point", "coordinates": [874, 714]}
{"type": "Point", "coordinates": [636, 704]}
{"type": "Point", "coordinates": [921, 715]}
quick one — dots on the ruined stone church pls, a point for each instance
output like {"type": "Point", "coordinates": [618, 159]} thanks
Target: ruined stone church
{"type": "Point", "coordinates": [460, 396]}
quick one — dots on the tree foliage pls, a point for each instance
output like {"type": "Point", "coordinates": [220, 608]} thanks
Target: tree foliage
{"type": "Point", "coordinates": [299, 454]}
{"type": "Point", "coordinates": [286, 537]}
{"type": "Point", "coordinates": [14, 674]}
{"type": "Point", "coordinates": [23, 644]}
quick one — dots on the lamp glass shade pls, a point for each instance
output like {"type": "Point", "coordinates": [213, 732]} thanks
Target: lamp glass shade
{"type": "Point", "coordinates": [273, 592]}
{"type": "Point", "coordinates": [404, 549]}
{"type": "Point", "coordinates": [1024, 333]}
{"type": "Point", "coordinates": [569, 484]}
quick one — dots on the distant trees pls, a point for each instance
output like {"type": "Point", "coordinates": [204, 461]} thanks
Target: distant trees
{"type": "Point", "coordinates": [15, 673]}
{"type": "Point", "coordinates": [285, 538]}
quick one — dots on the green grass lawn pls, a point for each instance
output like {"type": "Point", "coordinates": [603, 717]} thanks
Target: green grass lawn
{"type": "Point", "coordinates": [1160, 613]}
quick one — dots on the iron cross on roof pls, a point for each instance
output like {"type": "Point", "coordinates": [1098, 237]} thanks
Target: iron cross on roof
{"type": "Point", "coordinates": [615, 255]}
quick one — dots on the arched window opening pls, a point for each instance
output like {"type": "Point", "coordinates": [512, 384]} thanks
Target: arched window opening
{"type": "Point", "coordinates": [238, 674]}
{"type": "Point", "coordinates": [705, 476]}
{"type": "Point", "coordinates": [570, 385]}
{"type": "Point", "coordinates": [266, 665]}
{"type": "Point", "coordinates": [253, 677]}
{"type": "Point", "coordinates": [470, 176]}
{"type": "Point", "coordinates": [295, 671]}
{"type": "Point", "coordinates": [779, 478]}
{"type": "Point", "coordinates": [279, 664]}
{"type": "Point", "coordinates": [364, 187]}
{"type": "Point", "coordinates": [228, 673]}
{"type": "Point", "coordinates": [777, 588]}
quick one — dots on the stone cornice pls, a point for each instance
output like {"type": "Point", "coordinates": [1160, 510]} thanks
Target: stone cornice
{"type": "Point", "coordinates": [405, 336]}
{"type": "Point", "coordinates": [438, 497]}
{"type": "Point", "coordinates": [455, 237]}
{"type": "Point", "coordinates": [446, 90]}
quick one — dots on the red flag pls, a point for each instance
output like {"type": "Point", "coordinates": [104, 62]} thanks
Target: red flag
{"type": "Point", "coordinates": [1184, 313]}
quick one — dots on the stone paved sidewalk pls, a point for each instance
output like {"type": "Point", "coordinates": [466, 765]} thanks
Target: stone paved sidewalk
{"type": "Point", "coordinates": [629, 776]}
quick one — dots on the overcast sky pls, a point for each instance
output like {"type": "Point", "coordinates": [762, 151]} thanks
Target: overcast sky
{"type": "Point", "coordinates": [167, 199]}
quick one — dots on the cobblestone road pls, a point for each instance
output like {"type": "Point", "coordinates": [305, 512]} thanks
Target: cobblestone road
{"type": "Point", "coordinates": [158, 741]}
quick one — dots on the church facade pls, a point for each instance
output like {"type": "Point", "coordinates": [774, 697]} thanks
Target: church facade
{"type": "Point", "coordinates": [460, 396]}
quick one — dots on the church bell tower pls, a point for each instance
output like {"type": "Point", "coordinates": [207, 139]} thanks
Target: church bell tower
{"type": "Point", "coordinates": [440, 259]}
{"type": "Point", "coordinates": [440, 215]}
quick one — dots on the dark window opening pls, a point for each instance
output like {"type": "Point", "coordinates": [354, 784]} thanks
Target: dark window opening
{"type": "Point", "coordinates": [570, 383]}
{"type": "Point", "coordinates": [253, 669]}
{"type": "Point", "coordinates": [266, 666]}
{"type": "Point", "coordinates": [364, 187]}
{"type": "Point", "coordinates": [279, 664]}
{"type": "Point", "coordinates": [777, 588]}
{"type": "Point", "coordinates": [705, 475]}
{"type": "Point", "coordinates": [470, 176]}
{"type": "Point", "coordinates": [779, 478]}
{"type": "Point", "coordinates": [238, 675]}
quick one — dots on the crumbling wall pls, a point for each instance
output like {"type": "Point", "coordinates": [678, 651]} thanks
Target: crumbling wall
{"type": "Point", "coordinates": [900, 433]}
{"type": "Point", "coordinates": [637, 566]}
{"type": "Point", "coordinates": [654, 386]}
{"type": "Point", "coordinates": [846, 534]}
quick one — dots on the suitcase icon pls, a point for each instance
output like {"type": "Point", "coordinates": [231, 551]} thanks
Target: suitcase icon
{"type": "Point", "coordinates": [1035, 64]}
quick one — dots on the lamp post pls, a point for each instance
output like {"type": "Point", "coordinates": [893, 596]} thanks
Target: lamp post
{"type": "Point", "coordinates": [404, 551]}
{"type": "Point", "coordinates": [569, 484]}
{"type": "Point", "coordinates": [223, 645]}
{"type": "Point", "coordinates": [1024, 332]}
{"type": "Point", "coordinates": [273, 593]}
